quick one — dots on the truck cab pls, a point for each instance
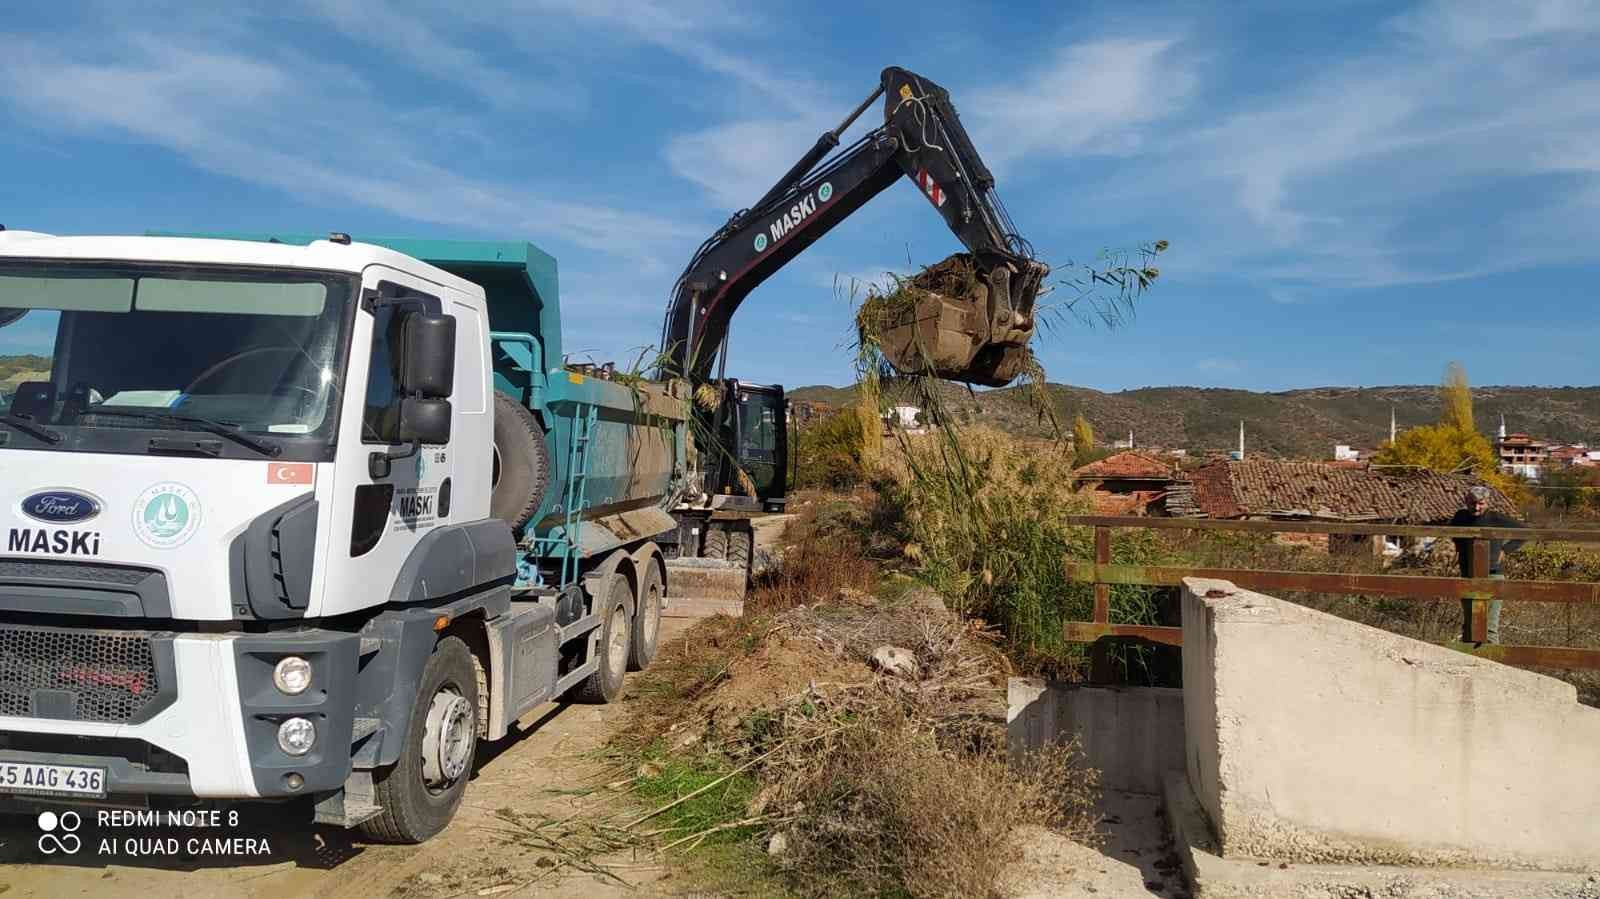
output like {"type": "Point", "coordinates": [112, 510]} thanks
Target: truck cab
{"type": "Point", "coordinates": [249, 490]}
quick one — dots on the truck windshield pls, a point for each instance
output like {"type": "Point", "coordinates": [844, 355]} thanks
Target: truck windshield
{"type": "Point", "coordinates": [96, 357]}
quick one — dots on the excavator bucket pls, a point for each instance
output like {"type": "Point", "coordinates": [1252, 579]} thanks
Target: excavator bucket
{"type": "Point", "coordinates": [964, 319]}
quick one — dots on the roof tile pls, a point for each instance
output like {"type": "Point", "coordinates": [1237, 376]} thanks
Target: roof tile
{"type": "Point", "coordinates": [1340, 492]}
{"type": "Point", "coordinates": [1129, 465]}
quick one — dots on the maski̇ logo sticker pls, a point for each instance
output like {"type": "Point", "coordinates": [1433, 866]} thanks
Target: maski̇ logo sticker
{"type": "Point", "coordinates": [166, 515]}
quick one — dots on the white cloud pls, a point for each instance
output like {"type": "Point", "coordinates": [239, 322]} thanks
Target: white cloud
{"type": "Point", "coordinates": [425, 43]}
{"type": "Point", "coordinates": [270, 119]}
{"type": "Point", "coordinates": [1480, 23]}
{"type": "Point", "coordinates": [1359, 175]}
{"type": "Point", "coordinates": [693, 30]}
{"type": "Point", "coordinates": [1092, 97]}
{"type": "Point", "coordinates": [736, 162]}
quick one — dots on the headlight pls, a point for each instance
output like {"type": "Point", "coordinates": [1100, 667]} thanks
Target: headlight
{"type": "Point", "coordinates": [296, 736]}
{"type": "Point", "coordinates": [292, 675]}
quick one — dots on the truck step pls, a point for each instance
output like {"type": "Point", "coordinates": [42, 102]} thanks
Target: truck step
{"type": "Point", "coordinates": [345, 814]}
{"type": "Point", "coordinates": [578, 628]}
{"type": "Point", "coordinates": [365, 727]}
{"type": "Point", "coordinates": [575, 675]}
{"type": "Point", "coordinates": [698, 607]}
{"type": "Point", "coordinates": [705, 579]}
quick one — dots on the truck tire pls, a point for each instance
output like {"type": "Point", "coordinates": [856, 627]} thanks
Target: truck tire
{"type": "Point", "coordinates": [716, 546]}
{"type": "Point", "coordinates": [521, 469]}
{"type": "Point", "coordinates": [421, 791]}
{"type": "Point", "coordinates": [739, 547]}
{"type": "Point", "coordinates": [616, 633]}
{"type": "Point", "coordinates": [647, 618]}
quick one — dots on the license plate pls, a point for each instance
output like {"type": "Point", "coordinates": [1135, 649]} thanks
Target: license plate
{"type": "Point", "coordinates": [52, 780]}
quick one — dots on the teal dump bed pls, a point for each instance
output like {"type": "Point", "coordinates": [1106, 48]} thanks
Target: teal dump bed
{"type": "Point", "coordinates": [633, 438]}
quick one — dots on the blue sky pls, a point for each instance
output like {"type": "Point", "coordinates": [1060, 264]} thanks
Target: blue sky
{"type": "Point", "coordinates": [1355, 193]}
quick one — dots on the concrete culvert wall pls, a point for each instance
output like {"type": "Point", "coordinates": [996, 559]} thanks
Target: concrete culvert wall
{"type": "Point", "coordinates": [1317, 739]}
{"type": "Point", "coordinates": [1132, 735]}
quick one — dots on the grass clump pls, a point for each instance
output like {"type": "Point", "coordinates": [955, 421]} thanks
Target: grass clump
{"type": "Point", "coordinates": [705, 799]}
{"type": "Point", "coordinates": [984, 517]}
{"type": "Point", "coordinates": [838, 451]}
{"type": "Point", "coordinates": [882, 799]}
{"type": "Point", "coordinates": [831, 550]}
{"type": "Point", "coordinates": [772, 731]}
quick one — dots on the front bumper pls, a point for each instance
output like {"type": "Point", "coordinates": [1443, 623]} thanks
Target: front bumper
{"type": "Point", "coordinates": [218, 737]}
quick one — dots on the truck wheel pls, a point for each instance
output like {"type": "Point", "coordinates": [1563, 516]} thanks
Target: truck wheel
{"type": "Point", "coordinates": [521, 463]}
{"type": "Point", "coordinates": [616, 633]}
{"type": "Point", "coordinates": [421, 791]}
{"type": "Point", "coordinates": [716, 542]}
{"type": "Point", "coordinates": [739, 547]}
{"type": "Point", "coordinates": [647, 618]}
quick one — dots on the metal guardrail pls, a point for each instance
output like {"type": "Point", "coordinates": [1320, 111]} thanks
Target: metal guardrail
{"type": "Point", "coordinates": [1479, 589]}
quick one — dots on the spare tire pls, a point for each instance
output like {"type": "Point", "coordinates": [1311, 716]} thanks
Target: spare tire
{"type": "Point", "coordinates": [521, 463]}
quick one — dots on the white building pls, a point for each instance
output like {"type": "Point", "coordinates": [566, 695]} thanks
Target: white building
{"type": "Point", "coordinates": [904, 416]}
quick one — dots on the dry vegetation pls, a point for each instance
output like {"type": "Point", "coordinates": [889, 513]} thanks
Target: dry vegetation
{"type": "Point", "coordinates": [977, 514]}
{"type": "Point", "coordinates": [774, 731]}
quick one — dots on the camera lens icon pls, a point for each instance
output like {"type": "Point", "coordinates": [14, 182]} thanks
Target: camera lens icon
{"type": "Point", "coordinates": [67, 842]}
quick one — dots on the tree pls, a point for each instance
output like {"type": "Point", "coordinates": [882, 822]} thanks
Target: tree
{"type": "Point", "coordinates": [1441, 448]}
{"type": "Point", "coordinates": [1082, 441]}
{"type": "Point", "coordinates": [1082, 434]}
{"type": "Point", "coordinates": [1456, 398]}
{"type": "Point", "coordinates": [1570, 490]}
{"type": "Point", "coordinates": [1454, 445]}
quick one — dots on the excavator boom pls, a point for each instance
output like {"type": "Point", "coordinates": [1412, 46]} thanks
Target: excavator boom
{"type": "Point", "coordinates": [977, 333]}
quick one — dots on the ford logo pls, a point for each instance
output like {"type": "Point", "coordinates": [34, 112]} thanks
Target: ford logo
{"type": "Point", "coordinates": [60, 506]}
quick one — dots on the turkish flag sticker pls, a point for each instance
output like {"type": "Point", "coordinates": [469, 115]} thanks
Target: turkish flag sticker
{"type": "Point", "coordinates": [290, 472]}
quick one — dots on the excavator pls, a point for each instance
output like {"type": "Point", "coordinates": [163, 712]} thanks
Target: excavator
{"type": "Point", "coordinates": [977, 334]}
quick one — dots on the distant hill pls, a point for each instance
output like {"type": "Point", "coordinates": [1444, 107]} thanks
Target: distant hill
{"type": "Point", "coordinates": [1295, 423]}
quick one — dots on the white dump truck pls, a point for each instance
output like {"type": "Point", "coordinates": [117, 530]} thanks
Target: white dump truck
{"type": "Point", "coordinates": [308, 518]}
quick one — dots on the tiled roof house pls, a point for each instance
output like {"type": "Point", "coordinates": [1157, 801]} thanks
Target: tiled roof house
{"type": "Point", "coordinates": [1268, 488]}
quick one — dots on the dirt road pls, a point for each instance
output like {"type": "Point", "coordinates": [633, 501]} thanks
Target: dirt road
{"type": "Point", "coordinates": [533, 777]}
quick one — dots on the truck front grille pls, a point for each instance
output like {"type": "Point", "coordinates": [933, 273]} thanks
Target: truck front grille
{"type": "Point", "coordinates": [76, 673]}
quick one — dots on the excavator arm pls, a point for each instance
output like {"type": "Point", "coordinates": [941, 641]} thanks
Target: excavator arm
{"type": "Point", "coordinates": [979, 335]}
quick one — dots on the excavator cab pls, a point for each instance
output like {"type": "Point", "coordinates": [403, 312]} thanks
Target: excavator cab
{"type": "Point", "coordinates": [749, 451]}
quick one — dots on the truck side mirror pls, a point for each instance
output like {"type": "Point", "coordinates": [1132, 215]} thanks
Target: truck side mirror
{"type": "Point", "coordinates": [428, 357]}
{"type": "Point", "coordinates": [425, 419]}
{"type": "Point", "coordinates": [422, 420]}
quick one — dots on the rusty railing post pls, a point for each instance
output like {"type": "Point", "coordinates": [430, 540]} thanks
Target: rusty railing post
{"type": "Point", "coordinates": [1101, 669]}
{"type": "Point", "coordinates": [1479, 631]}
{"type": "Point", "coordinates": [1102, 591]}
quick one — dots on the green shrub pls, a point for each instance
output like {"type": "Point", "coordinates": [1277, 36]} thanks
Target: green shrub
{"type": "Point", "coordinates": [985, 517]}
{"type": "Point", "coordinates": [837, 451]}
